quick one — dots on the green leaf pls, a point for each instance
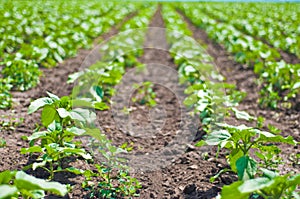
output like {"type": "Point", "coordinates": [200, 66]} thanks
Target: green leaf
{"type": "Point", "coordinates": [191, 100]}
{"type": "Point", "coordinates": [6, 176]}
{"type": "Point", "coordinates": [83, 115]}
{"type": "Point", "coordinates": [37, 135]}
{"type": "Point", "coordinates": [246, 168]}
{"type": "Point", "coordinates": [269, 174]}
{"type": "Point", "coordinates": [63, 113]}
{"type": "Point", "coordinates": [296, 85]}
{"type": "Point", "coordinates": [295, 180]}
{"type": "Point", "coordinates": [80, 152]}
{"type": "Point", "coordinates": [97, 92]}
{"type": "Point", "coordinates": [48, 115]}
{"type": "Point", "coordinates": [53, 97]}
{"type": "Point", "coordinates": [269, 137]}
{"type": "Point", "coordinates": [38, 164]}
{"type": "Point", "coordinates": [101, 106]}
{"type": "Point", "coordinates": [27, 182]}
{"type": "Point", "coordinates": [256, 184]}
{"type": "Point", "coordinates": [75, 170]}
{"type": "Point", "coordinates": [8, 191]}
{"type": "Point", "coordinates": [76, 131]}
{"type": "Point", "coordinates": [232, 191]}
{"type": "Point", "coordinates": [200, 143]}
{"type": "Point", "coordinates": [37, 104]}
{"type": "Point", "coordinates": [242, 115]}
{"type": "Point", "coordinates": [233, 157]}
{"type": "Point", "coordinates": [216, 137]}
{"type": "Point", "coordinates": [82, 103]}
{"type": "Point", "coordinates": [73, 77]}
{"type": "Point", "coordinates": [95, 133]}
{"type": "Point", "coordinates": [33, 149]}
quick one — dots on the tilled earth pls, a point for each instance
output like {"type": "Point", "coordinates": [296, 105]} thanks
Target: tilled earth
{"type": "Point", "coordinates": [184, 173]}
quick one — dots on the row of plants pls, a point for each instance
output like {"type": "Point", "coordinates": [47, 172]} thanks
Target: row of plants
{"type": "Point", "coordinates": [117, 54]}
{"type": "Point", "coordinates": [56, 142]}
{"type": "Point", "coordinates": [279, 80]}
{"type": "Point", "coordinates": [205, 87]}
{"type": "Point", "coordinates": [279, 32]}
{"type": "Point", "coordinates": [47, 33]}
{"type": "Point", "coordinates": [252, 153]}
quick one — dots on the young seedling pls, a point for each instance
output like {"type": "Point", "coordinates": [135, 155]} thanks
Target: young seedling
{"type": "Point", "coordinates": [115, 180]}
{"type": "Point", "coordinates": [239, 140]}
{"type": "Point", "coordinates": [62, 124]}
{"type": "Point", "coordinates": [145, 94]}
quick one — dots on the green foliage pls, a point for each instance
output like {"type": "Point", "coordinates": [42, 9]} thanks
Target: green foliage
{"type": "Point", "coordinates": [5, 96]}
{"type": "Point", "coordinates": [98, 81]}
{"type": "Point", "coordinates": [35, 34]}
{"type": "Point", "coordinates": [115, 180]}
{"type": "Point", "coordinates": [279, 80]}
{"type": "Point", "coordinates": [25, 73]}
{"type": "Point", "coordinates": [113, 184]}
{"type": "Point", "coordinates": [240, 140]}
{"type": "Point", "coordinates": [145, 94]}
{"type": "Point", "coordinates": [62, 124]}
{"type": "Point", "coordinates": [15, 184]}
{"type": "Point", "coordinates": [269, 186]}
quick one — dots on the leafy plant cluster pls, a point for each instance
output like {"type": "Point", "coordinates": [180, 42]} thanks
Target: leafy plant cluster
{"type": "Point", "coordinates": [62, 124]}
{"type": "Point", "coordinates": [42, 34]}
{"type": "Point", "coordinates": [56, 145]}
{"type": "Point", "coordinates": [96, 84]}
{"type": "Point", "coordinates": [253, 155]}
{"type": "Point", "coordinates": [145, 94]}
{"type": "Point", "coordinates": [253, 53]}
{"type": "Point", "coordinates": [63, 119]}
{"type": "Point", "coordinates": [205, 89]}
{"type": "Point", "coordinates": [278, 26]}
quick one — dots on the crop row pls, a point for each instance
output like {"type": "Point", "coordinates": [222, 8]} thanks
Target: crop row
{"type": "Point", "coordinates": [282, 33]}
{"type": "Point", "coordinates": [65, 118]}
{"type": "Point", "coordinates": [277, 77]}
{"type": "Point", "coordinates": [257, 173]}
{"type": "Point", "coordinates": [43, 37]}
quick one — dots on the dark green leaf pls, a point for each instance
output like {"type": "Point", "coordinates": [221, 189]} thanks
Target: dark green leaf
{"type": "Point", "coordinates": [246, 168]}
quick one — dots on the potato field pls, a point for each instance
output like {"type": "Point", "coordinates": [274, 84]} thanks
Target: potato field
{"type": "Point", "coordinates": [144, 99]}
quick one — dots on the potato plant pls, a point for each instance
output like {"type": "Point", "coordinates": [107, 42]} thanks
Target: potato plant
{"type": "Point", "coordinates": [145, 94]}
{"type": "Point", "coordinates": [256, 178]}
{"type": "Point", "coordinates": [279, 80]}
{"type": "Point", "coordinates": [39, 37]}
{"type": "Point", "coordinates": [16, 184]}
{"type": "Point", "coordinates": [62, 124]}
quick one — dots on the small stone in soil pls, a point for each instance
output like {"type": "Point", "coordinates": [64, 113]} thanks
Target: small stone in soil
{"type": "Point", "coordinates": [153, 195]}
{"type": "Point", "coordinates": [193, 167]}
{"type": "Point", "coordinates": [189, 188]}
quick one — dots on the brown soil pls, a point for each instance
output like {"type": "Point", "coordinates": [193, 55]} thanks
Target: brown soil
{"type": "Point", "coordinates": [187, 174]}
